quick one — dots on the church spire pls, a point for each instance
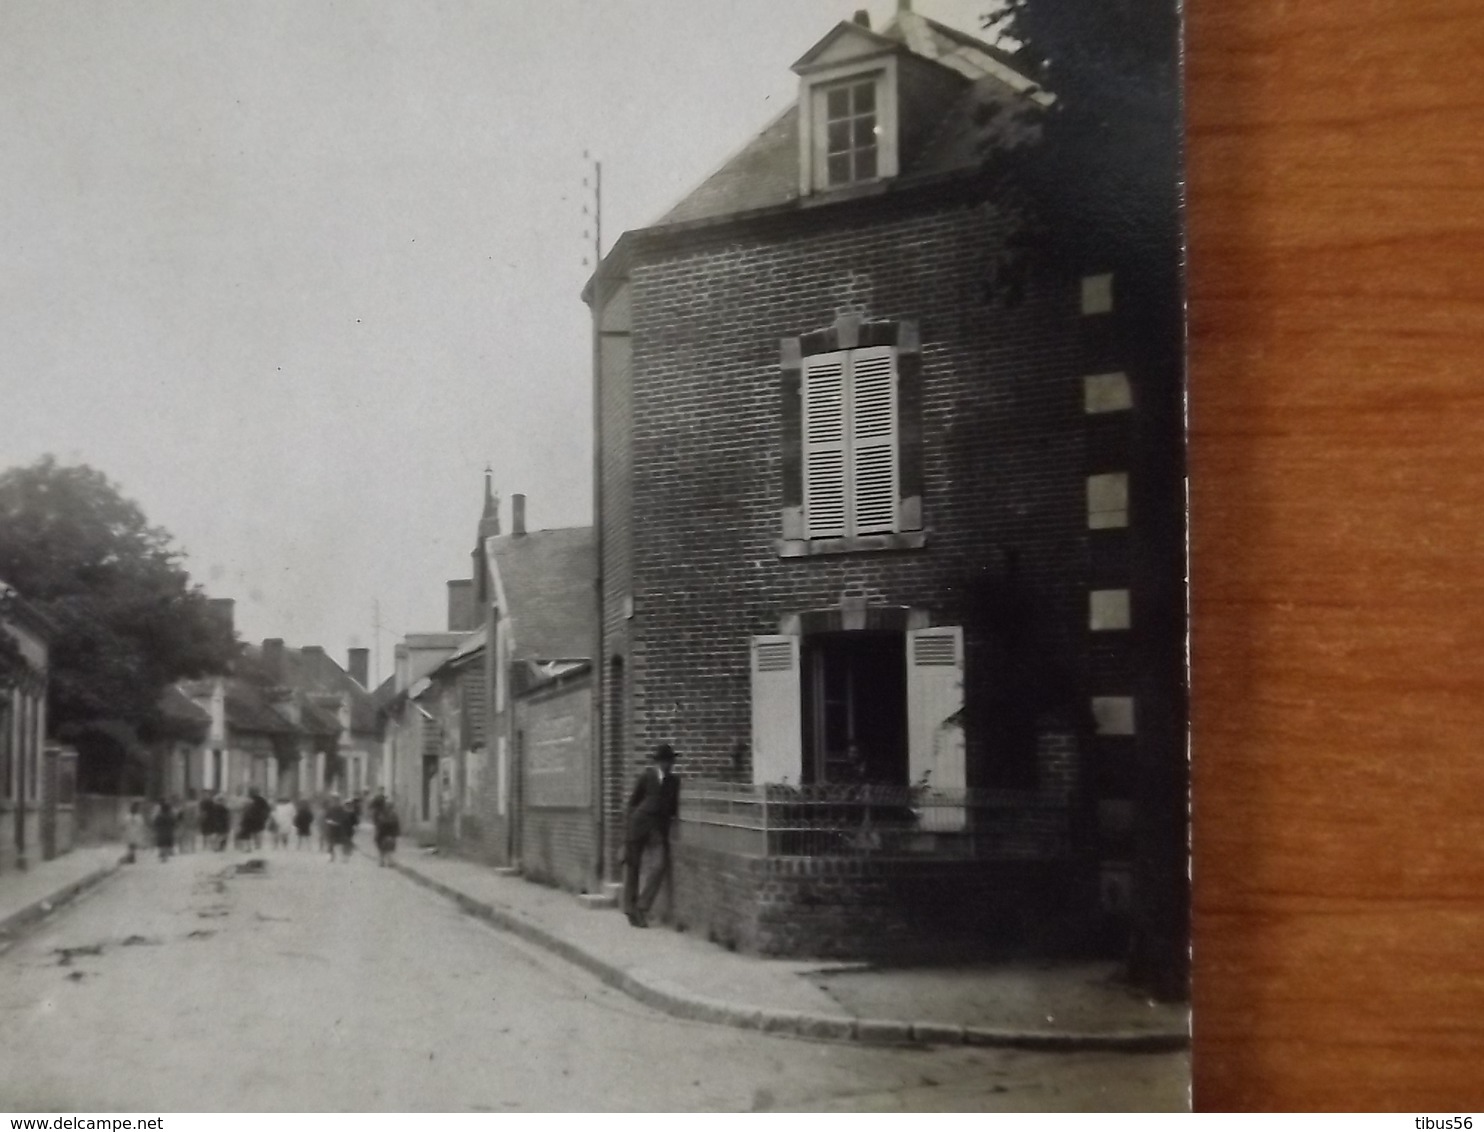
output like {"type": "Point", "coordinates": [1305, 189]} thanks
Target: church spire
{"type": "Point", "coordinates": [489, 522]}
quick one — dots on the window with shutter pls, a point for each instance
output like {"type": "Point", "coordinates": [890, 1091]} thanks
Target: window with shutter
{"type": "Point", "coordinates": [777, 724]}
{"type": "Point", "coordinates": [824, 445]}
{"type": "Point", "coordinates": [850, 443]}
{"type": "Point", "coordinates": [873, 436]}
{"type": "Point", "coordinates": [935, 701]}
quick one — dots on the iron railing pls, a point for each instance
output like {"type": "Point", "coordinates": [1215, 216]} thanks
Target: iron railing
{"type": "Point", "coordinates": [777, 820]}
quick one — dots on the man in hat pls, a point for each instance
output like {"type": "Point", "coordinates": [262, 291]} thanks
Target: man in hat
{"type": "Point", "coordinates": [653, 803]}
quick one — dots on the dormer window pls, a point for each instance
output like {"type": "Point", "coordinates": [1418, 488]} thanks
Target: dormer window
{"type": "Point", "coordinates": [850, 132]}
{"type": "Point", "coordinates": [848, 93]}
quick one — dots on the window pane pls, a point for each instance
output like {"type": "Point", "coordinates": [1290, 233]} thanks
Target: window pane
{"type": "Point", "coordinates": [865, 163]}
{"type": "Point", "coordinates": [837, 104]}
{"type": "Point", "coordinates": [865, 98]}
{"type": "Point", "coordinates": [839, 137]}
{"type": "Point", "coordinates": [839, 168]}
{"type": "Point", "coordinates": [865, 132]}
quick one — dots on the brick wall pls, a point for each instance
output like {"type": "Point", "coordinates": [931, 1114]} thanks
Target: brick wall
{"type": "Point", "coordinates": [862, 908]}
{"type": "Point", "coordinates": [1003, 474]}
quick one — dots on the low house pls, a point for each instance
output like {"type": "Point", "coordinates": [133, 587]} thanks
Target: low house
{"type": "Point", "coordinates": [286, 722]}
{"type": "Point", "coordinates": [866, 550]}
{"type": "Point", "coordinates": [491, 722]}
{"type": "Point", "coordinates": [539, 796]}
{"type": "Point", "coordinates": [452, 700]}
{"type": "Point", "coordinates": [424, 724]}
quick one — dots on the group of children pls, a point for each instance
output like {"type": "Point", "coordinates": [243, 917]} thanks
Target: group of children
{"type": "Point", "coordinates": [172, 826]}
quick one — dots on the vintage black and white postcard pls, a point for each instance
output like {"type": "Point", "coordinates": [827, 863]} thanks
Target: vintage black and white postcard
{"type": "Point", "coordinates": [592, 556]}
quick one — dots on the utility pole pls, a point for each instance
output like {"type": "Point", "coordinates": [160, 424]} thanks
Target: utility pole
{"type": "Point", "coordinates": [594, 181]}
{"type": "Point", "coordinates": [376, 641]}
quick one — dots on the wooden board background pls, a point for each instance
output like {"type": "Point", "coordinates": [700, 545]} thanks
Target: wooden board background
{"type": "Point", "coordinates": [1336, 189]}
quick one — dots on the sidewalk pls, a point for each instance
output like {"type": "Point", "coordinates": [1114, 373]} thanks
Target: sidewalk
{"type": "Point", "coordinates": [26, 897]}
{"type": "Point", "coordinates": [1015, 1005]}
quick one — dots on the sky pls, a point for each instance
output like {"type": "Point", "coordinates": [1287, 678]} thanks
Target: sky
{"type": "Point", "coordinates": [292, 272]}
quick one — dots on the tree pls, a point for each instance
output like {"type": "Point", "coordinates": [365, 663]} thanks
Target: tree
{"type": "Point", "coordinates": [1096, 185]}
{"type": "Point", "coordinates": [129, 622]}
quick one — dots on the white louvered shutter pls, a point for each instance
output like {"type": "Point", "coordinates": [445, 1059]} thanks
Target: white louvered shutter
{"type": "Point", "coordinates": [777, 725]}
{"type": "Point", "coordinates": [824, 446]}
{"type": "Point", "coordinates": [873, 440]}
{"type": "Point", "coordinates": [935, 700]}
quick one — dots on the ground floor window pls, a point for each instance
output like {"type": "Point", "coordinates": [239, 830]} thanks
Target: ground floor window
{"type": "Point", "coordinates": [854, 706]}
{"type": "Point", "coordinates": [864, 706]}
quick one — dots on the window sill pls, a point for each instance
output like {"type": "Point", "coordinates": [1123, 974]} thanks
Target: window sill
{"type": "Point", "coordinates": [808, 548]}
{"type": "Point", "coordinates": [855, 190]}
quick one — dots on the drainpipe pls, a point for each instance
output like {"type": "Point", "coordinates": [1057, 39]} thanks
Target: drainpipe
{"type": "Point", "coordinates": [600, 665]}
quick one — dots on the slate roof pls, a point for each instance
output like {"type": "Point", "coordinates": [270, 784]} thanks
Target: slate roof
{"type": "Point", "coordinates": [248, 710]}
{"type": "Point", "coordinates": [547, 579]}
{"type": "Point", "coordinates": [764, 174]}
{"type": "Point", "coordinates": [318, 720]}
{"type": "Point", "coordinates": [314, 672]}
{"type": "Point", "coordinates": [469, 650]}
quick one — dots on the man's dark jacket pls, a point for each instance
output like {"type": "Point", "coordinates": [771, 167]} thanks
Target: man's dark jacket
{"type": "Point", "coordinates": [653, 803]}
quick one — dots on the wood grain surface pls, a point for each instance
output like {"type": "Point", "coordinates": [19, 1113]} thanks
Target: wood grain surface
{"type": "Point", "coordinates": [1336, 211]}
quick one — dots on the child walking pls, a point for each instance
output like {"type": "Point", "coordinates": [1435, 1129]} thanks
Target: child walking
{"type": "Point", "coordinates": [388, 827]}
{"type": "Point", "coordinates": [134, 835]}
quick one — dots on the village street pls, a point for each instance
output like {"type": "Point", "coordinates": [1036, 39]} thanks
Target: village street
{"type": "Point", "coordinates": [193, 985]}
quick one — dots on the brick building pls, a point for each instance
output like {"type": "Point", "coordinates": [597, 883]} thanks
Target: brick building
{"type": "Point", "coordinates": [866, 548]}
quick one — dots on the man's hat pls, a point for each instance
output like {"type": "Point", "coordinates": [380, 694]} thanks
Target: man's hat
{"type": "Point", "coordinates": [664, 753]}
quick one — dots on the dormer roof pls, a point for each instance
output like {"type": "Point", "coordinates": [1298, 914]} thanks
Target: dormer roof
{"type": "Point", "coordinates": [846, 42]}
{"type": "Point", "coordinates": [972, 77]}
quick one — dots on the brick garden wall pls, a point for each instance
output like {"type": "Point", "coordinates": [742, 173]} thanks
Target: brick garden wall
{"type": "Point", "coordinates": [862, 908]}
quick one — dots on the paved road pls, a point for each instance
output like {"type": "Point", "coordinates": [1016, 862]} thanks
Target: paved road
{"type": "Point", "coordinates": [191, 986]}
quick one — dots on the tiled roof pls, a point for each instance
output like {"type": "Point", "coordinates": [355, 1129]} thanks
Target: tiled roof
{"type": "Point", "coordinates": [547, 579]}
{"type": "Point", "coordinates": [764, 173]}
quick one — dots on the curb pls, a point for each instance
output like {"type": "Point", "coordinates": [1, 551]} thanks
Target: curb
{"type": "Point", "coordinates": [16, 924]}
{"type": "Point", "coordinates": [680, 1003]}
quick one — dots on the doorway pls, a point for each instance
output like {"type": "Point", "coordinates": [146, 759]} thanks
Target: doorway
{"type": "Point", "coordinates": [855, 708]}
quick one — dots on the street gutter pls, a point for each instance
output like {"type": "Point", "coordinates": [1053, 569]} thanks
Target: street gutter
{"type": "Point", "coordinates": [681, 1003]}
{"type": "Point", "coordinates": [14, 926]}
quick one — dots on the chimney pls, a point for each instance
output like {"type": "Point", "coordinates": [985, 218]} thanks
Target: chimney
{"type": "Point", "coordinates": [489, 519]}
{"type": "Point", "coordinates": [863, 18]}
{"type": "Point", "coordinates": [904, 5]}
{"type": "Point", "coordinates": [358, 664]}
{"type": "Point", "coordinates": [223, 609]}
{"type": "Point", "coordinates": [462, 613]}
{"type": "Point", "coordinates": [273, 658]}
{"type": "Point", "coordinates": [517, 514]}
